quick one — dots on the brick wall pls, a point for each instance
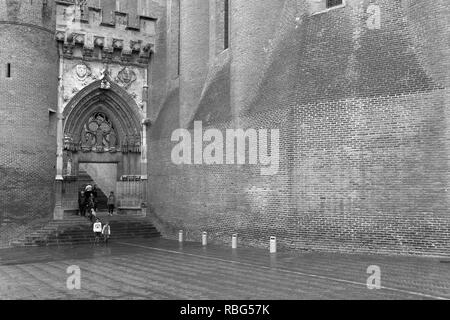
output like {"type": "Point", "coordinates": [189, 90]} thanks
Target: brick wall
{"type": "Point", "coordinates": [363, 126]}
{"type": "Point", "coordinates": [173, 64]}
{"type": "Point", "coordinates": [253, 24]}
{"type": "Point", "coordinates": [27, 148]}
{"type": "Point", "coordinates": [28, 12]}
{"type": "Point", "coordinates": [194, 55]}
{"type": "Point", "coordinates": [158, 71]}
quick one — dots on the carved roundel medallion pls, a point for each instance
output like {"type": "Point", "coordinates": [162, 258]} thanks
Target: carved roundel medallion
{"type": "Point", "coordinates": [82, 71]}
{"type": "Point", "coordinates": [126, 77]}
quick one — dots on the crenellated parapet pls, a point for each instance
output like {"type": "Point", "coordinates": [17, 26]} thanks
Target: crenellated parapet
{"type": "Point", "coordinates": [87, 34]}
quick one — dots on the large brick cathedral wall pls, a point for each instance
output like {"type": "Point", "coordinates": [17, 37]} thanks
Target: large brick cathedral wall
{"type": "Point", "coordinates": [27, 141]}
{"type": "Point", "coordinates": [362, 111]}
{"type": "Point", "coordinates": [363, 119]}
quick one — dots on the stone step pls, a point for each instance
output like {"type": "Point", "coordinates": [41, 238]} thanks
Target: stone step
{"type": "Point", "coordinates": [82, 231]}
{"type": "Point", "coordinates": [89, 239]}
{"type": "Point", "coordinates": [89, 227]}
{"type": "Point", "coordinates": [88, 231]}
{"type": "Point", "coordinates": [83, 240]}
{"type": "Point", "coordinates": [86, 240]}
{"type": "Point", "coordinates": [77, 230]}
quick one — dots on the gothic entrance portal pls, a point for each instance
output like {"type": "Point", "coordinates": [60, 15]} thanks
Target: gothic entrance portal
{"type": "Point", "coordinates": [102, 146]}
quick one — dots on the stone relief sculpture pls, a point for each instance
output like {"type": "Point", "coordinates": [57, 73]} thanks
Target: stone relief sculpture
{"type": "Point", "coordinates": [83, 73]}
{"type": "Point", "coordinates": [104, 72]}
{"type": "Point", "coordinates": [126, 77]}
{"type": "Point", "coordinates": [78, 76]}
{"type": "Point", "coordinates": [85, 140]}
{"type": "Point", "coordinates": [112, 141]}
{"type": "Point", "coordinates": [137, 143]}
{"type": "Point", "coordinates": [98, 134]}
{"type": "Point", "coordinates": [69, 167]}
{"type": "Point", "coordinates": [105, 85]}
{"type": "Point", "coordinates": [99, 139]}
{"type": "Point", "coordinates": [68, 141]}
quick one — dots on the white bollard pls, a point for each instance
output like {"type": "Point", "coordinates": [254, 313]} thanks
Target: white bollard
{"type": "Point", "coordinates": [204, 238]}
{"type": "Point", "coordinates": [234, 241]}
{"type": "Point", "coordinates": [180, 236]}
{"type": "Point", "coordinates": [273, 244]}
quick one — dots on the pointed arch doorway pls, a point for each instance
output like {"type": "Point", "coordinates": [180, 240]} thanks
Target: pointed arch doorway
{"type": "Point", "coordinates": [102, 146]}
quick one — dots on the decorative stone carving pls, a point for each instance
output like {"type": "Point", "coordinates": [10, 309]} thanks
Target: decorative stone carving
{"type": "Point", "coordinates": [137, 143]}
{"type": "Point", "coordinates": [60, 36]}
{"type": "Point", "coordinates": [126, 77]}
{"type": "Point", "coordinates": [105, 85]}
{"type": "Point", "coordinates": [86, 140]}
{"type": "Point", "coordinates": [79, 38]}
{"type": "Point", "coordinates": [107, 54]}
{"type": "Point", "coordinates": [126, 56]}
{"type": "Point", "coordinates": [99, 139]}
{"type": "Point", "coordinates": [68, 50]}
{"type": "Point", "coordinates": [68, 143]}
{"type": "Point", "coordinates": [82, 72]}
{"type": "Point", "coordinates": [118, 44]}
{"type": "Point", "coordinates": [98, 134]}
{"type": "Point", "coordinates": [112, 140]}
{"type": "Point", "coordinates": [135, 46]}
{"type": "Point", "coordinates": [99, 42]}
{"type": "Point", "coordinates": [104, 72]}
{"type": "Point", "coordinates": [69, 167]}
{"type": "Point", "coordinates": [81, 24]}
{"type": "Point", "coordinates": [88, 53]}
{"type": "Point", "coordinates": [89, 41]}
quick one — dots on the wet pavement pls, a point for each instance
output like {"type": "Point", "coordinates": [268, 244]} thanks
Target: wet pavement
{"type": "Point", "coordinates": [164, 269]}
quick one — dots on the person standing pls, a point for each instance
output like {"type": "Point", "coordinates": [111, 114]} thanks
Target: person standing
{"type": "Point", "coordinates": [97, 228]}
{"type": "Point", "coordinates": [95, 193]}
{"type": "Point", "coordinates": [106, 231]}
{"type": "Point", "coordinates": [88, 192]}
{"type": "Point", "coordinates": [81, 203]}
{"type": "Point", "coordinates": [111, 203]}
{"type": "Point", "coordinates": [90, 207]}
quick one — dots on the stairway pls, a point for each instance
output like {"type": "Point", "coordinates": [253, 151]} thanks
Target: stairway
{"type": "Point", "coordinates": [76, 230]}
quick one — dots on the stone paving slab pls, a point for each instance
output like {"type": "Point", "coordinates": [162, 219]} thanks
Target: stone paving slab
{"type": "Point", "coordinates": [164, 269]}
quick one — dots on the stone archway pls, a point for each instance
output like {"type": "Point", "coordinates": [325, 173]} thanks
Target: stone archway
{"type": "Point", "coordinates": [102, 141]}
{"type": "Point", "coordinates": [110, 100]}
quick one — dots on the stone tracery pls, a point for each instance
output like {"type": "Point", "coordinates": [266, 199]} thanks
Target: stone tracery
{"type": "Point", "coordinates": [97, 132]}
{"type": "Point", "coordinates": [102, 121]}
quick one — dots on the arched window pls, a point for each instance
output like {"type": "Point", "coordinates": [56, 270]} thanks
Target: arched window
{"type": "Point", "coordinates": [98, 134]}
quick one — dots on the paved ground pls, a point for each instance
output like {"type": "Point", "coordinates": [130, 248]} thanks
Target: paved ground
{"type": "Point", "coordinates": [162, 269]}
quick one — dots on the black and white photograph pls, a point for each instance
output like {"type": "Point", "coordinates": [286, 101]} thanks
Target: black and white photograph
{"type": "Point", "coordinates": [224, 155]}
